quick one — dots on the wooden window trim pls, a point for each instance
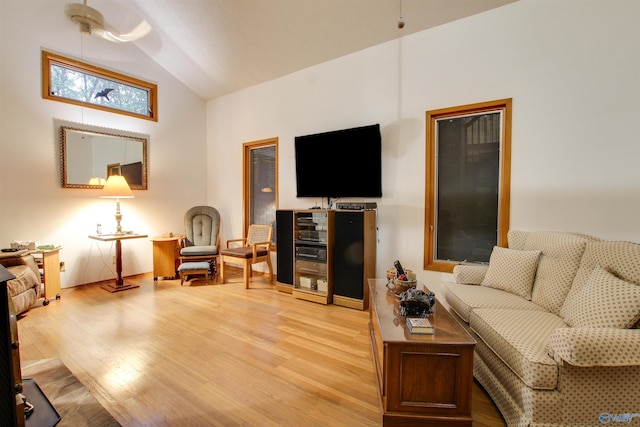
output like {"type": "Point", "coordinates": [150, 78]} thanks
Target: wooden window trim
{"type": "Point", "coordinates": [246, 182]}
{"type": "Point", "coordinates": [49, 58]}
{"type": "Point", "coordinates": [505, 175]}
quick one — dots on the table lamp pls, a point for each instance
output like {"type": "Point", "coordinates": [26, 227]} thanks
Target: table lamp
{"type": "Point", "coordinates": [117, 188]}
{"type": "Point", "coordinates": [97, 181]}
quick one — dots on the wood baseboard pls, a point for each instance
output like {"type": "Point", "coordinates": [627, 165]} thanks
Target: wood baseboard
{"type": "Point", "coordinates": [357, 304]}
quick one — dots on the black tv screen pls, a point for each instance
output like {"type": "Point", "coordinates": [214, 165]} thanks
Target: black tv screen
{"type": "Point", "coordinates": [342, 163]}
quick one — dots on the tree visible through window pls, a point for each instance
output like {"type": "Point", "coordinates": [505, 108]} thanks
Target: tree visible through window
{"type": "Point", "coordinates": [468, 168]}
{"type": "Point", "coordinates": [74, 82]}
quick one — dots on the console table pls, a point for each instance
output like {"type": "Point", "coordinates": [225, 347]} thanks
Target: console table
{"type": "Point", "coordinates": [424, 380]}
{"type": "Point", "coordinates": [118, 238]}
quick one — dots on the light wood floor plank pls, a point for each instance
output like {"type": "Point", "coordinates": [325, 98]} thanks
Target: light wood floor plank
{"type": "Point", "coordinates": [215, 355]}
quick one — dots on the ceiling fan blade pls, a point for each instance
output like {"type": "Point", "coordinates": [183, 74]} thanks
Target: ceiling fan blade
{"type": "Point", "coordinates": [141, 30]}
{"type": "Point", "coordinates": [88, 18]}
{"type": "Point", "coordinates": [91, 21]}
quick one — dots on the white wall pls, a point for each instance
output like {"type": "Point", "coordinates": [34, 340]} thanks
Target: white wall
{"type": "Point", "coordinates": [33, 205]}
{"type": "Point", "coordinates": [571, 67]}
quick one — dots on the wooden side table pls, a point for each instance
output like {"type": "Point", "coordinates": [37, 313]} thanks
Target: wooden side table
{"type": "Point", "coordinates": [50, 272]}
{"type": "Point", "coordinates": [166, 255]}
{"type": "Point", "coordinates": [424, 380]}
{"type": "Point", "coordinates": [118, 238]}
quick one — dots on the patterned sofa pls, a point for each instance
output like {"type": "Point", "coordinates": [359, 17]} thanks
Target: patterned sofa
{"type": "Point", "coordinates": [25, 288]}
{"type": "Point", "coordinates": [556, 318]}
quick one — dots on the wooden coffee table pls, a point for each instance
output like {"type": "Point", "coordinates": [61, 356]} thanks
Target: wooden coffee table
{"type": "Point", "coordinates": [424, 380]}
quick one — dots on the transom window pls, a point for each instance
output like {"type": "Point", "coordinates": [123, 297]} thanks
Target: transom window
{"type": "Point", "coordinates": [74, 82]}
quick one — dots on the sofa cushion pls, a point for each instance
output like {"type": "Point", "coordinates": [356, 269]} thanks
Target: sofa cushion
{"type": "Point", "coordinates": [24, 289]}
{"type": "Point", "coordinates": [23, 257]}
{"type": "Point", "coordinates": [596, 347]}
{"type": "Point", "coordinates": [464, 298]}
{"type": "Point", "coordinates": [199, 251]}
{"type": "Point", "coordinates": [516, 239]}
{"type": "Point", "coordinates": [469, 274]}
{"type": "Point", "coordinates": [25, 280]}
{"type": "Point", "coordinates": [605, 301]}
{"type": "Point", "coordinates": [560, 259]}
{"type": "Point", "coordinates": [521, 339]}
{"type": "Point", "coordinates": [618, 258]}
{"type": "Point", "coordinates": [512, 271]}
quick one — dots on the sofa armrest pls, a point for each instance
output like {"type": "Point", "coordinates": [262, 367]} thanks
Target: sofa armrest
{"type": "Point", "coordinates": [588, 347]}
{"type": "Point", "coordinates": [9, 256]}
{"type": "Point", "coordinates": [20, 258]}
{"type": "Point", "coordinates": [467, 274]}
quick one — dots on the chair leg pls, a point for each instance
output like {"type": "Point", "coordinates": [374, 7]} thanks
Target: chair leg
{"type": "Point", "coordinates": [214, 268]}
{"type": "Point", "coordinates": [181, 278]}
{"type": "Point", "coordinates": [270, 269]}
{"type": "Point", "coordinates": [222, 278]}
{"type": "Point", "coordinates": [246, 273]}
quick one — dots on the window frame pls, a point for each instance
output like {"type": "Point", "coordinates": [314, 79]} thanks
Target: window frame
{"type": "Point", "coordinates": [49, 59]}
{"type": "Point", "coordinates": [432, 116]}
{"type": "Point", "coordinates": [246, 180]}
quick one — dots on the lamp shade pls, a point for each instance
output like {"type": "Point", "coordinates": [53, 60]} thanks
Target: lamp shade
{"type": "Point", "coordinates": [97, 181]}
{"type": "Point", "coordinates": [116, 188]}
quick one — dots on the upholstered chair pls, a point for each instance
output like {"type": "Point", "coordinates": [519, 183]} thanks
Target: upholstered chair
{"type": "Point", "coordinates": [253, 249]}
{"type": "Point", "coordinates": [202, 236]}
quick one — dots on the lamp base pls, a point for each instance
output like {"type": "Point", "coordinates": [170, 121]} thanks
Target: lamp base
{"type": "Point", "coordinates": [118, 219]}
{"type": "Point", "coordinates": [114, 288]}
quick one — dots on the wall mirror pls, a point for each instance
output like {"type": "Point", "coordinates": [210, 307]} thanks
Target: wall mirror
{"type": "Point", "coordinates": [90, 154]}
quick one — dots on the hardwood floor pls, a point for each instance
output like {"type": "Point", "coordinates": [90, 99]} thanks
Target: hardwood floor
{"type": "Point", "coordinates": [216, 355]}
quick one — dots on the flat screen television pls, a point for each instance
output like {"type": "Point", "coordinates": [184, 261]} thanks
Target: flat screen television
{"type": "Point", "coordinates": [341, 163]}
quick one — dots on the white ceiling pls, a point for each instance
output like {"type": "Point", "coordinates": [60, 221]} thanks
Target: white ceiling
{"type": "Point", "coordinates": [216, 47]}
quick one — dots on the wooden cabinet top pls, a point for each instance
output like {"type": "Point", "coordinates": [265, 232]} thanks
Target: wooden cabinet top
{"type": "Point", "coordinates": [167, 237]}
{"type": "Point", "coordinates": [386, 306]}
{"type": "Point", "coordinates": [110, 237]}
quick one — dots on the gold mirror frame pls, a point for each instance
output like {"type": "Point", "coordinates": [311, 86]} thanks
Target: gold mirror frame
{"type": "Point", "coordinates": [108, 151]}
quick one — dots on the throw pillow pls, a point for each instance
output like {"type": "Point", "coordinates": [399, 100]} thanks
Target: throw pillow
{"type": "Point", "coordinates": [512, 271]}
{"type": "Point", "coordinates": [469, 274]}
{"type": "Point", "coordinates": [605, 301]}
{"type": "Point", "coordinates": [559, 261]}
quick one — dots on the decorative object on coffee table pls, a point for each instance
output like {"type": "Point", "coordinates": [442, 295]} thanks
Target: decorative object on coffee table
{"type": "Point", "coordinates": [400, 286]}
{"type": "Point", "coordinates": [417, 303]}
{"type": "Point", "coordinates": [399, 279]}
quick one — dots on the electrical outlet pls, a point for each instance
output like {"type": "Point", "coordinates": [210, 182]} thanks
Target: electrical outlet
{"type": "Point", "coordinates": [113, 259]}
{"type": "Point", "coordinates": [62, 266]}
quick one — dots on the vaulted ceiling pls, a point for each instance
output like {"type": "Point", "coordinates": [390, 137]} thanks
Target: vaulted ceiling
{"type": "Point", "coordinates": [216, 47]}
